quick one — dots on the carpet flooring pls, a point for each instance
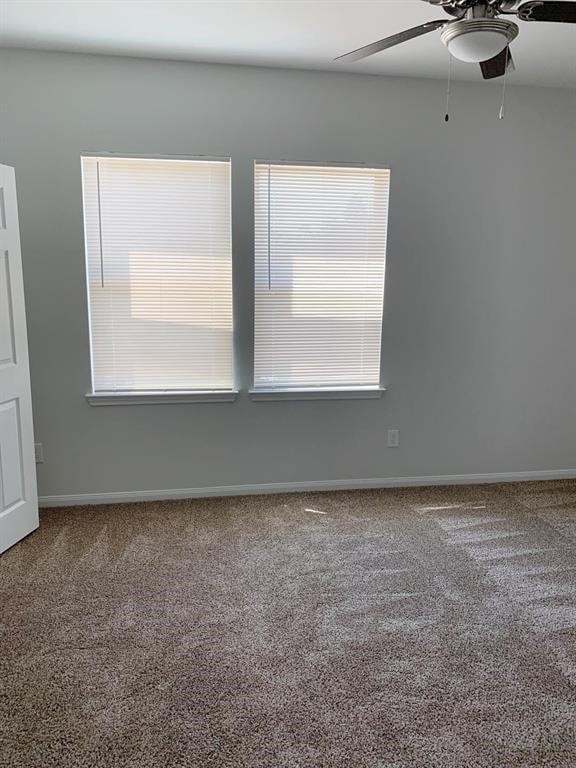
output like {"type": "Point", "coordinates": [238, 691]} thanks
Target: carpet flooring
{"type": "Point", "coordinates": [422, 628]}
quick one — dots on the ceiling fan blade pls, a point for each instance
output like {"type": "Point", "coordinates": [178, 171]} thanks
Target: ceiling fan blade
{"type": "Point", "coordinates": [389, 42]}
{"type": "Point", "coordinates": [496, 67]}
{"type": "Point", "coordinates": [539, 10]}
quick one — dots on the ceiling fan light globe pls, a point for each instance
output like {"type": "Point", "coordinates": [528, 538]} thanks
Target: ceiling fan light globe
{"type": "Point", "coordinates": [478, 40]}
{"type": "Point", "coordinates": [477, 46]}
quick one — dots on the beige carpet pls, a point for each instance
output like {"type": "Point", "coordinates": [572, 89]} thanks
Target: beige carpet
{"type": "Point", "coordinates": [430, 628]}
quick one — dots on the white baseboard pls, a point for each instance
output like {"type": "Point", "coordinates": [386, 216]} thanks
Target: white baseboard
{"type": "Point", "coordinates": [116, 497]}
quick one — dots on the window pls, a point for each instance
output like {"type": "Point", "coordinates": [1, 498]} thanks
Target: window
{"type": "Point", "coordinates": [159, 269]}
{"type": "Point", "coordinates": [320, 251]}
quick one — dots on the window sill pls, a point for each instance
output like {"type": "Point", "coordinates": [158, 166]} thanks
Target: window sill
{"type": "Point", "coordinates": [336, 393]}
{"type": "Point", "coordinates": [157, 398]}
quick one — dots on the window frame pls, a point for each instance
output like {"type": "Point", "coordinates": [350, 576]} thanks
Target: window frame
{"type": "Point", "coordinates": [274, 394]}
{"type": "Point", "coordinates": [151, 397]}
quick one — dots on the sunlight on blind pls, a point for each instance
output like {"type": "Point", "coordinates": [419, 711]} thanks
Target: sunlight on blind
{"type": "Point", "coordinates": [159, 268]}
{"type": "Point", "coordinates": [320, 252]}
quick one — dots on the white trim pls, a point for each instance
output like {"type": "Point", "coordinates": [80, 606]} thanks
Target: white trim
{"type": "Point", "coordinates": [106, 155]}
{"type": "Point", "coordinates": [305, 486]}
{"type": "Point", "coordinates": [155, 398]}
{"type": "Point", "coordinates": [326, 164]}
{"type": "Point", "coordinates": [334, 393]}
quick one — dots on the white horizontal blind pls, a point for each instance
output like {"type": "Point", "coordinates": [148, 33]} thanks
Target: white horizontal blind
{"type": "Point", "coordinates": [159, 269]}
{"type": "Point", "coordinates": [319, 275]}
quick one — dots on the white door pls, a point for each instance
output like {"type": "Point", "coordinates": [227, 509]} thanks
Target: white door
{"type": "Point", "coordinates": [18, 495]}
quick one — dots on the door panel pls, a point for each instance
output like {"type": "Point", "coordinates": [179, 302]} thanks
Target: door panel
{"type": "Point", "coordinates": [11, 470]}
{"type": "Point", "coordinates": [18, 495]}
{"type": "Point", "coordinates": [7, 340]}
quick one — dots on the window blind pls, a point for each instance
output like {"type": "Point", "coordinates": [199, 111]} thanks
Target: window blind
{"type": "Point", "coordinates": [159, 273]}
{"type": "Point", "coordinates": [320, 251]}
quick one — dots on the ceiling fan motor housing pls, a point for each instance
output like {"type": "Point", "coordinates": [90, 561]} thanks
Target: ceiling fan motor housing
{"type": "Point", "coordinates": [478, 39]}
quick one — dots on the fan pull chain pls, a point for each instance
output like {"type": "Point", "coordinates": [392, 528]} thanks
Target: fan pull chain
{"type": "Point", "coordinates": [449, 88]}
{"type": "Point", "coordinates": [503, 103]}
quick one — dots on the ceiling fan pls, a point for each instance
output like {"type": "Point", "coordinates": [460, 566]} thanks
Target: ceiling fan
{"type": "Point", "coordinates": [477, 34]}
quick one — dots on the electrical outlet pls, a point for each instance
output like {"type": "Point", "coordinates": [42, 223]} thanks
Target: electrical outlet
{"type": "Point", "coordinates": [393, 438]}
{"type": "Point", "coordinates": [39, 453]}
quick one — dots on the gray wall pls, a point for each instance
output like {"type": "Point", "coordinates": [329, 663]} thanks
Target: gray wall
{"type": "Point", "coordinates": [480, 316]}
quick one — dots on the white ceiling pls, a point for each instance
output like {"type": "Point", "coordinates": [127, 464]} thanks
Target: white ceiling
{"type": "Point", "coordinates": [283, 33]}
